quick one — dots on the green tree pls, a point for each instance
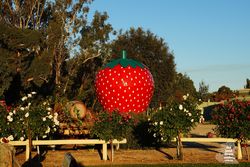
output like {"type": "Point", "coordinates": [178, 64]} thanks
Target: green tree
{"type": "Point", "coordinates": [94, 52]}
{"type": "Point", "coordinates": [203, 93]}
{"type": "Point", "coordinates": [21, 58]}
{"type": "Point", "coordinates": [247, 86]}
{"type": "Point", "coordinates": [22, 25]}
{"type": "Point", "coordinates": [184, 85]}
{"type": "Point", "coordinates": [173, 120]}
{"type": "Point", "coordinates": [152, 51]}
{"type": "Point", "coordinates": [45, 45]}
{"type": "Point", "coordinates": [224, 93]}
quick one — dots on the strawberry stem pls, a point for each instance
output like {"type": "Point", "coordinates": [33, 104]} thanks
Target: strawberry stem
{"type": "Point", "coordinates": [124, 54]}
{"type": "Point", "coordinates": [124, 62]}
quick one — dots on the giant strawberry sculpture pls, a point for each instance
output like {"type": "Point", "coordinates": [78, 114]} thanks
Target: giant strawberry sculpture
{"type": "Point", "coordinates": [124, 85]}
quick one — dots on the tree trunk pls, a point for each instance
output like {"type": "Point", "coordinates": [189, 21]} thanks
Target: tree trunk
{"type": "Point", "coordinates": [180, 155]}
{"type": "Point", "coordinates": [30, 141]}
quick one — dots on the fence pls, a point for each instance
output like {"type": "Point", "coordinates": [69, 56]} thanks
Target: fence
{"type": "Point", "coordinates": [104, 143]}
{"type": "Point", "coordinates": [67, 142]}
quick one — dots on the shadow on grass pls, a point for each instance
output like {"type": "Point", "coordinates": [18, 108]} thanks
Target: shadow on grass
{"type": "Point", "coordinates": [35, 161]}
{"type": "Point", "coordinates": [168, 156]}
{"type": "Point", "coordinates": [68, 161]}
{"type": "Point", "coordinates": [200, 146]}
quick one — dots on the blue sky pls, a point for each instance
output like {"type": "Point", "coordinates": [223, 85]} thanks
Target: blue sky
{"type": "Point", "coordinates": [210, 39]}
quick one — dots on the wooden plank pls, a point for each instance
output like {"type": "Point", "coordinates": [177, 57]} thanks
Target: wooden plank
{"type": "Point", "coordinates": [207, 140]}
{"type": "Point", "coordinates": [74, 141]}
{"type": "Point", "coordinates": [65, 142]}
{"type": "Point", "coordinates": [19, 143]}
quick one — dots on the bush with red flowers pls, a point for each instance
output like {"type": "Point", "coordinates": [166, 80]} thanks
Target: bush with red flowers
{"type": "Point", "coordinates": [232, 119]}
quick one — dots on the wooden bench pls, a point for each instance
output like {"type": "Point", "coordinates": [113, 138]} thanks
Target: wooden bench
{"type": "Point", "coordinates": [216, 140]}
{"type": "Point", "coordinates": [67, 142]}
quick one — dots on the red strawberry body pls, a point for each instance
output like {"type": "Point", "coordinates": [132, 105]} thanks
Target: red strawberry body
{"type": "Point", "coordinates": [124, 85]}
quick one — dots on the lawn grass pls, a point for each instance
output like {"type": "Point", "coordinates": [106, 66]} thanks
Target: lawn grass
{"type": "Point", "coordinates": [180, 165]}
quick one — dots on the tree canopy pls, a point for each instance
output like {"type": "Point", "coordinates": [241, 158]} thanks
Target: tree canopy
{"type": "Point", "coordinates": [47, 45]}
{"type": "Point", "coordinates": [152, 51]}
{"type": "Point", "coordinates": [54, 48]}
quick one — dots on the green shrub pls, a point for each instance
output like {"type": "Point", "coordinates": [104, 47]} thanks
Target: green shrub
{"type": "Point", "coordinates": [33, 118]}
{"type": "Point", "coordinates": [112, 125]}
{"type": "Point", "coordinates": [170, 121]}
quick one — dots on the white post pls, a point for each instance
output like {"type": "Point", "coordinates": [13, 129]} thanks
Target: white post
{"type": "Point", "coordinates": [27, 150]}
{"type": "Point", "coordinates": [104, 152]}
{"type": "Point", "coordinates": [37, 147]}
{"type": "Point", "coordinates": [117, 146]}
{"type": "Point", "coordinates": [112, 150]}
{"type": "Point", "coordinates": [239, 150]}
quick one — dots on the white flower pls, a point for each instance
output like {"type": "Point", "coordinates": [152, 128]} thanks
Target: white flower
{"type": "Point", "coordinates": [180, 107]}
{"type": "Point", "coordinates": [44, 118]}
{"type": "Point", "coordinates": [22, 138]}
{"type": "Point", "coordinates": [48, 113]}
{"type": "Point", "coordinates": [156, 123]}
{"type": "Point", "coordinates": [10, 119]}
{"type": "Point", "coordinates": [55, 114]}
{"type": "Point", "coordinates": [187, 94]}
{"type": "Point", "coordinates": [22, 108]}
{"type": "Point", "coordinates": [161, 138]}
{"type": "Point", "coordinates": [10, 113]}
{"type": "Point", "coordinates": [44, 136]}
{"type": "Point", "coordinates": [161, 122]}
{"type": "Point", "coordinates": [55, 129]}
{"type": "Point", "coordinates": [29, 95]}
{"type": "Point", "coordinates": [27, 114]}
{"type": "Point", "coordinates": [44, 103]}
{"type": "Point", "coordinates": [56, 122]}
{"type": "Point", "coordinates": [48, 130]}
{"type": "Point", "coordinates": [192, 120]}
{"type": "Point", "coordinates": [148, 119]}
{"type": "Point", "coordinates": [49, 109]}
{"type": "Point", "coordinates": [185, 97]}
{"type": "Point", "coordinates": [50, 116]}
{"type": "Point", "coordinates": [10, 138]}
{"type": "Point", "coordinates": [154, 134]}
{"type": "Point", "coordinates": [29, 104]}
{"type": "Point", "coordinates": [24, 98]}
{"type": "Point", "coordinates": [33, 93]}
{"type": "Point", "coordinates": [190, 114]}
{"type": "Point", "coordinates": [14, 111]}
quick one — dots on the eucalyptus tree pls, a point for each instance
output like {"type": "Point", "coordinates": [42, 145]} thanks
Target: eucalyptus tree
{"type": "Point", "coordinates": [22, 24]}
{"type": "Point", "coordinates": [43, 43]}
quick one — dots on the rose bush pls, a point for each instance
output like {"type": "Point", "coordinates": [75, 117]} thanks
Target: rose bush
{"type": "Point", "coordinates": [179, 117]}
{"type": "Point", "coordinates": [232, 119]}
{"type": "Point", "coordinates": [31, 118]}
{"type": "Point", "coordinates": [173, 121]}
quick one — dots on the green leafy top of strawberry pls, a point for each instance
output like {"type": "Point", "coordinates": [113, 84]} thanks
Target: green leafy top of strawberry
{"type": "Point", "coordinates": [124, 62]}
